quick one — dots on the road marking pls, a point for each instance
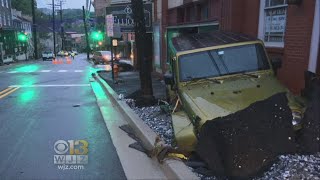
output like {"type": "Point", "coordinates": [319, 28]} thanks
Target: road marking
{"type": "Point", "coordinates": [6, 90]}
{"type": "Point", "coordinates": [45, 71]}
{"type": "Point", "coordinates": [9, 92]}
{"type": "Point", "coordinates": [62, 71]}
{"type": "Point", "coordinates": [78, 71]}
{"type": "Point", "coordinates": [52, 85]}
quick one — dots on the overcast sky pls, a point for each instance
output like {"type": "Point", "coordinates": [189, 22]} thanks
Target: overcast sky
{"type": "Point", "coordinates": [73, 4]}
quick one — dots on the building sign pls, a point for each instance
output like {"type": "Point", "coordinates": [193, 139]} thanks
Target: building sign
{"type": "Point", "coordinates": [123, 16]}
{"type": "Point", "coordinates": [109, 24]}
{"type": "Point", "coordinates": [275, 21]}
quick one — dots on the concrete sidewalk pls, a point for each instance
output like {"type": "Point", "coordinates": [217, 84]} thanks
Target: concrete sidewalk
{"type": "Point", "coordinates": [129, 83]}
{"type": "Point", "coordinates": [143, 167]}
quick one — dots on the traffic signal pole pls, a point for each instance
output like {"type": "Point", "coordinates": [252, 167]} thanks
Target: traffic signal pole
{"type": "Point", "coordinates": [112, 68]}
{"type": "Point", "coordinates": [34, 31]}
{"type": "Point", "coordinates": [61, 28]}
{"type": "Point", "coordinates": [86, 32]}
{"type": "Point", "coordinates": [53, 28]}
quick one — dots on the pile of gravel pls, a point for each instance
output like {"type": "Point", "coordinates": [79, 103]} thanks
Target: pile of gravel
{"type": "Point", "coordinates": [295, 167]}
{"type": "Point", "coordinates": [156, 119]}
{"type": "Point", "coordinates": [288, 167]}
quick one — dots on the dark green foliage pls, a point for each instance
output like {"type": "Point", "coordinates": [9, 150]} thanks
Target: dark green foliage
{"type": "Point", "coordinates": [22, 5]}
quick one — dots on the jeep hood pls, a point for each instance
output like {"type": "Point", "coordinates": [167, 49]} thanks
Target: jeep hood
{"type": "Point", "coordinates": [209, 100]}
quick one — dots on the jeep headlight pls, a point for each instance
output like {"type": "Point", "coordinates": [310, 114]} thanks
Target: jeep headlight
{"type": "Point", "coordinates": [296, 118]}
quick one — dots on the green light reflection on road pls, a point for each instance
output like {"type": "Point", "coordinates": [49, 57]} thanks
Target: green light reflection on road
{"type": "Point", "coordinates": [27, 80]}
{"type": "Point", "coordinates": [27, 68]}
{"type": "Point", "coordinates": [27, 96]}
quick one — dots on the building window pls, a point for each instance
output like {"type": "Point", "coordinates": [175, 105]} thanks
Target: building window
{"type": "Point", "coordinates": [180, 15]}
{"type": "Point", "coordinates": [5, 20]}
{"type": "Point", "coordinates": [7, 3]}
{"type": "Point", "coordinates": [273, 18]}
{"type": "Point", "coordinates": [204, 10]}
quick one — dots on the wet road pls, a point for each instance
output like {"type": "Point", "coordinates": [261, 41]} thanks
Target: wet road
{"type": "Point", "coordinates": [41, 103]}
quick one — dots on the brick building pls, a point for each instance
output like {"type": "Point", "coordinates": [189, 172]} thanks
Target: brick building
{"type": "Point", "coordinates": [289, 28]}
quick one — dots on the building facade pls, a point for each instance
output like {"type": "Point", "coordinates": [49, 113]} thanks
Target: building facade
{"type": "Point", "coordinates": [22, 24]}
{"type": "Point", "coordinates": [289, 29]}
{"type": "Point", "coordinates": [100, 7]}
{"type": "Point", "coordinates": [7, 33]}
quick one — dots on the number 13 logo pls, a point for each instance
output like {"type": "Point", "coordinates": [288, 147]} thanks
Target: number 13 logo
{"type": "Point", "coordinates": [75, 147]}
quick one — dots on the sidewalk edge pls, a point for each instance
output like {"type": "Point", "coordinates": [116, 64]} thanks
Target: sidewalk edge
{"type": "Point", "coordinates": [173, 169]}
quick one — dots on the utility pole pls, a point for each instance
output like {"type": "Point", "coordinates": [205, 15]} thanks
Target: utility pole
{"type": "Point", "coordinates": [34, 30]}
{"type": "Point", "coordinates": [54, 28]}
{"type": "Point", "coordinates": [86, 31]}
{"type": "Point", "coordinates": [61, 25]}
{"type": "Point", "coordinates": [144, 62]}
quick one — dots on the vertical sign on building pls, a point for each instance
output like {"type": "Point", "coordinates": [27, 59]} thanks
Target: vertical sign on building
{"type": "Point", "coordinates": [109, 23]}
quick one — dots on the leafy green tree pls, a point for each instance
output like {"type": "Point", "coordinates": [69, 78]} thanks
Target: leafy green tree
{"type": "Point", "coordinates": [23, 5]}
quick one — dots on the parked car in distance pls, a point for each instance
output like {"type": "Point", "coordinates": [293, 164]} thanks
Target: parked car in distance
{"type": "Point", "coordinates": [101, 57]}
{"type": "Point", "coordinates": [63, 53]}
{"type": "Point", "coordinates": [47, 55]}
{"type": "Point", "coordinates": [75, 52]}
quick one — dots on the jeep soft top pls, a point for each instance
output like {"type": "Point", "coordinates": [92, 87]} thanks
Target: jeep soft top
{"type": "Point", "coordinates": [186, 42]}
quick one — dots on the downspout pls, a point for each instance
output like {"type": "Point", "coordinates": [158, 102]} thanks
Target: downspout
{"type": "Point", "coordinates": [314, 47]}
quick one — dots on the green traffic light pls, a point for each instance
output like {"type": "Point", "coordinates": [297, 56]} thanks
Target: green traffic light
{"type": "Point", "coordinates": [97, 36]}
{"type": "Point", "coordinates": [22, 37]}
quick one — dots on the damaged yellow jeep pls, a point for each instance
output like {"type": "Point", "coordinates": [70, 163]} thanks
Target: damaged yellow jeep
{"type": "Point", "coordinates": [217, 74]}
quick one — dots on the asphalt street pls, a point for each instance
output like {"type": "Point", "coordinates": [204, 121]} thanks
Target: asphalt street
{"type": "Point", "coordinates": [41, 103]}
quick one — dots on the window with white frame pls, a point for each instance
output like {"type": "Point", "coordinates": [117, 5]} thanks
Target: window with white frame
{"type": "Point", "coordinates": [5, 19]}
{"type": "Point", "coordinates": [275, 17]}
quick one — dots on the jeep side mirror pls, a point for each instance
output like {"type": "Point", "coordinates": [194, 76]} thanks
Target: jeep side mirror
{"type": "Point", "coordinates": [168, 79]}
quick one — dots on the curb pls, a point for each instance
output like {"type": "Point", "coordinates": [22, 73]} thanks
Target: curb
{"type": "Point", "coordinates": [173, 169]}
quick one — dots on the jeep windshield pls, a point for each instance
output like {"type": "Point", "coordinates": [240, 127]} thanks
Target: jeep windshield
{"type": "Point", "coordinates": [221, 62]}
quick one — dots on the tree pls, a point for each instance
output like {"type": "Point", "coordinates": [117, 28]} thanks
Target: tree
{"type": "Point", "coordinates": [144, 61]}
{"type": "Point", "coordinates": [23, 5]}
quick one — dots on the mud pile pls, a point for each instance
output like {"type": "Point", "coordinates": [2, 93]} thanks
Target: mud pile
{"type": "Point", "coordinates": [309, 139]}
{"type": "Point", "coordinates": [246, 143]}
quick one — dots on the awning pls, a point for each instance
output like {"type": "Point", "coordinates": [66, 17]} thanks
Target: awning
{"type": "Point", "coordinates": [194, 25]}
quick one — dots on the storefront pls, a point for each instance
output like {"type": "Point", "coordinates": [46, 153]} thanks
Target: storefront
{"type": "Point", "coordinates": [9, 43]}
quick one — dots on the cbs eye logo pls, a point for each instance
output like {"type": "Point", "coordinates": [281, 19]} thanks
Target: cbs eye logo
{"type": "Point", "coordinates": [71, 147]}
